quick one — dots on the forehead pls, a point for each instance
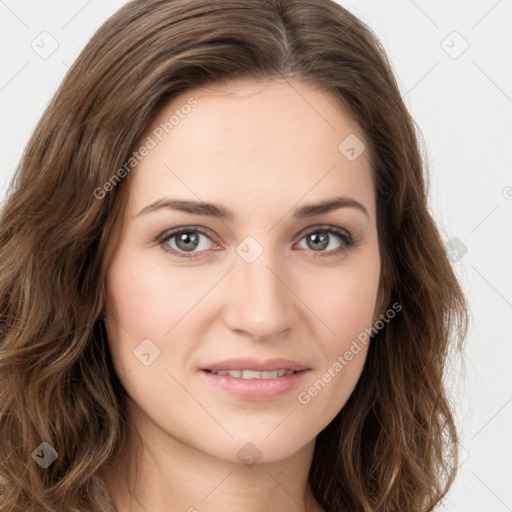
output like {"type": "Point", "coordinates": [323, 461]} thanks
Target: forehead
{"type": "Point", "coordinates": [252, 143]}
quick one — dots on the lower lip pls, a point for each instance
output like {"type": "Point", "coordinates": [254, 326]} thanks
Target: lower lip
{"type": "Point", "coordinates": [256, 389]}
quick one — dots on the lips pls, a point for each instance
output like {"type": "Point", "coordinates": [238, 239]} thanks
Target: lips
{"type": "Point", "coordinates": [254, 389]}
{"type": "Point", "coordinates": [254, 379]}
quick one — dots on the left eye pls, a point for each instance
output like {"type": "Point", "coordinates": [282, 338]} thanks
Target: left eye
{"type": "Point", "coordinates": [319, 237]}
{"type": "Point", "coordinates": [187, 240]}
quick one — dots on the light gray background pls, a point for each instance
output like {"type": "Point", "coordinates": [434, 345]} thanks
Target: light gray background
{"type": "Point", "coordinates": [462, 102]}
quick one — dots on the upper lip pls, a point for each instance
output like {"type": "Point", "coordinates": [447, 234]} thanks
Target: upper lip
{"type": "Point", "coordinates": [266, 365]}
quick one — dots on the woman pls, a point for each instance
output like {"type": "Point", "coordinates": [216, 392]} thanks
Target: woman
{"type": "Point", "coordinates": [222, 288]}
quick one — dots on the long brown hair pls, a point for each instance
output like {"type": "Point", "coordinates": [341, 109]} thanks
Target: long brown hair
{"type": "Point", "coordinates": [387, 448]}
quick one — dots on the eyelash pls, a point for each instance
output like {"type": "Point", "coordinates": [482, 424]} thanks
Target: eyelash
{"type": "Point", "coordinates": [348, 241]}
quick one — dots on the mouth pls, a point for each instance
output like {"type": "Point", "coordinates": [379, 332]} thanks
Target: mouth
{"type": "Point", "coordinates": [250, 379]}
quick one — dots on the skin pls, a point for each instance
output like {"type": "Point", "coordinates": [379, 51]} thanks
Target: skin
{"type": "Point", "coordinates": [260, 149]}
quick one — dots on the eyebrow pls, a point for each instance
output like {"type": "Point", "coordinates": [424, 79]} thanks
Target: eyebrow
{"type": "Point", "coordinates": [218, 211]}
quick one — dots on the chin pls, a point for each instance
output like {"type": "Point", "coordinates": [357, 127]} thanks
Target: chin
{"type": "Point", "coordinates": [260, 446]}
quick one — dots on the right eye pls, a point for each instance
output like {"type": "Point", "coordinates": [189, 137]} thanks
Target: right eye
{"type": "Point", "coordinates": [186, 240]}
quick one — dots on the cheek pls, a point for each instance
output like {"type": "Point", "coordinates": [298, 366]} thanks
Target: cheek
{"type": "Point", "coordinates": [144, 302]}
{"type": "Point", "coordinates": [134, 301]}
{"type": "Point", "coordinates": [345, 301]}
{"type": "Point", "coordinates": [149, 298]}
{"type": "Point", "coordinates": [346, 307]}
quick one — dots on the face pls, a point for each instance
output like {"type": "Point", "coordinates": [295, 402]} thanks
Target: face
{"type": "Point", "coordinates": [269, 285]}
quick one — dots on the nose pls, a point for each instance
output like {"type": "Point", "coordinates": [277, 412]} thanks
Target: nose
{"type": "Point", "coordinates": [261, 302]}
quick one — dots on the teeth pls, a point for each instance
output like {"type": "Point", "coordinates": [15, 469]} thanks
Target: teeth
{"type": "Point", "coordinates": [252, 374]}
